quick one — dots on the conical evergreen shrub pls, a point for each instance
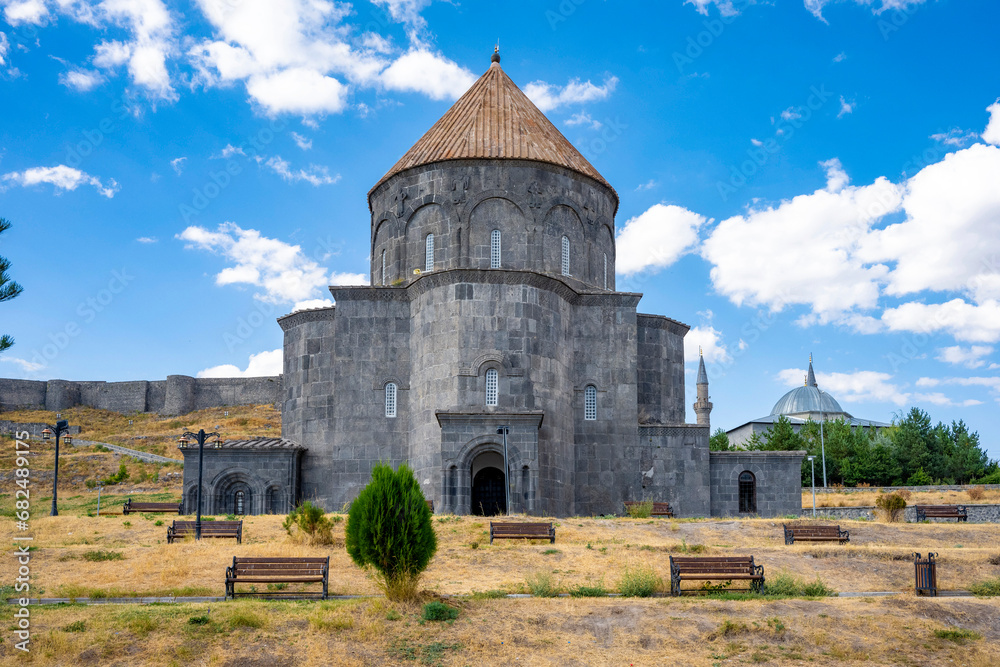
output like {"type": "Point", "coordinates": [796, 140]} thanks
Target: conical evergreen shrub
{"type": "Point", "coordinates": [389, 531]}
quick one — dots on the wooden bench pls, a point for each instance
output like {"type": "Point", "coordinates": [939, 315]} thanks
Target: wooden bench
{"type": "Point", "coordinates": [724, 568]}
{"type": "Point", "coordinates": [815, 534]}
{"type": "Point", "coordinates": [659, 509]}
{"type": "Point", "coordinates": [169, 508]}
{"type": "Point", "coordinates": [208, 529]}
{"type": "Point", "coordinates": [277, 571]}
{"type": "Point", "coordinates": [522, 531]}
{"type": "Point", "coordinates": [925, 512]}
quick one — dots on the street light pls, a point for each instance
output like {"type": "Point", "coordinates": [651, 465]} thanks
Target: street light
{"type": "Point", "coordinates": [506, 467]}
{"type": "Point", "coordinates": [62, 426]}
{"type": "Point", "coordinates": [812, 461]}
{"type": "Point", "coordinates": [201, 437]}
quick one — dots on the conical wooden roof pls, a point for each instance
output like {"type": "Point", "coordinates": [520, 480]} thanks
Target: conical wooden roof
{"type": "Point", "coordinates": [494, 119]}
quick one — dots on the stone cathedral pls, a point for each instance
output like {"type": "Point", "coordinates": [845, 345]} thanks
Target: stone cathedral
{"type": "Point", "coordinates": [492, 306]}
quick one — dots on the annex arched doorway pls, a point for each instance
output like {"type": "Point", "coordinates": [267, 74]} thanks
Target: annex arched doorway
{"type": "Point", "coordinates": [489, 496]}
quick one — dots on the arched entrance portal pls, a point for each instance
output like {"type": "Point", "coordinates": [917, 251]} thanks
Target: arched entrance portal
{"type": "Point", "coordinates": [488, 490]}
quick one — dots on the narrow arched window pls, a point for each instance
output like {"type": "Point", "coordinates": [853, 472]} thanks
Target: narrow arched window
{"type": "Point", "coordinates": [240, 503]}
{"type": "Point", "coordinates": [390, 399]}
{"type": "Point", "coordinates": [565, 256]}
{"type": "Point", "coordinates": [748, 492]}
{"type": "Point", "coordinates": [383, 269]}
{"type": "Point", "coordinates": [492, 386]}
{"type": "Point", "coordinates": [429, 253]}
{"type": "Point", "coordinates": [605, 270]}
{"type": "Point", "coordinates": [495, 249]}
{"type": "Point", "coordinates": [590, 403]}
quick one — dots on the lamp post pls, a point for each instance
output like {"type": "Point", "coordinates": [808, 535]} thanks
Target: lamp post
{"type": "Point", "coordinates": [62, 426]}
{"type": "Point", "coordinates": [201, 437]}
{"type": "Point", "coordinates": [812, 461]}
{"type": "Point", "coordinates": [506, 467]}
{"type": "Point", "coordinates": [822, 446]}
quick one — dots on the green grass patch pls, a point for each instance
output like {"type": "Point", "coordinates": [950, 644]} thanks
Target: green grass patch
{"type": "Point", "coordinates": [494, 594]}
{"type": "Point", "coordinates": [638, 582]}
{"type": "Point", "coordinates": [75, 626]}
{"type": "Point", "coordinates": [542, 584]}
{"type": "Point", "coordinates": [988, 588]}
{"type": "Point", "coordinates": [597, 591]}
{"type": "Point", "coordinates": [958, 635]}
{"type": "Point", "coordinates": [102, 555]}
{"type": "Point", "coordinates": [438, 611]}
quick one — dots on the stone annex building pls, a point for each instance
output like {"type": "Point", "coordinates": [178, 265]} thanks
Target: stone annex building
{"type": "Point", "coordinates": [492, 304]}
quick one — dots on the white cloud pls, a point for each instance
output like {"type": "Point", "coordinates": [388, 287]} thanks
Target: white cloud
{"type": "Point", "coordinates": [964, 321]}
{"type": "Point", "coordinates": [62, 178]}
{"type": "Point", "coordinates": [152, 42]}
{"type": "Point", "coordinates": [147, 239]}
{"type": "Point", "coordinates": [955, 137]}
{"type": "Point", "coordinates": [971, 357]}
{"type": "Point", "coordinates": [648, 185]}
{"type": "Point", "coordinates": [349, 279]}
{"type": "Point", "coordinates": [548, 97]}
{"type": "Point", "coordinates": [656, 238]}
{"type": "Point", "coordinates": [845, 107]}
{"type": "Point", "coordinates": [791, 113]}
{"type": "Point", "coordinates": [725, 7]}
{"type": "Point", "coordinates": [300, 141]}
{"type": "Point", "coordinates": [991, 134]}
{"type": "Point", "coordinates": [229, 151]}
{"type": "Point", "coordinates": [17, 12]}
{"type": "Point", "coordinates": [408, 13]}
{"type": "Point", "coordinates": [840, 57]}
{"type": "Point", "coordinates": [428, 73]}
{"type": "Point", "coordinates": [262, 364]}
{"type": "Point", "coordinates": [26, 366]}
{"type": "Point", "coordinates": [4, 47]}
{"type": "Point", "coordinates": [282, 271]}
{"type": "Point", "coordinates": [709, 341]}
{"type": "Point", "coordinates": [297, 90]}
{"type": "Point", "coordinates": [310, 304]}
{"type": "Point", "coordinates": [178, 164]}
{"type": "Point", "coordinates": [583, 118]}
{"type": "Point", "coordinates": [316, 175]}
{"type": "Point", "coordinates": [757, 142]}
{"type": "Point", "coordinates": [815, 7]}
{"type": "Point", "coordinates": [851, 387]}
{"type": "Point", "coordinates": [802, 251]}
{"type": "Point", "coordinates": [836, 177]}
{"type": "Point", "coordinates": [80, 80]}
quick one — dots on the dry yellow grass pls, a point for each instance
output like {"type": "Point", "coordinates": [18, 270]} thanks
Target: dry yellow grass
{"type": "Point", "coordinates": [867, 498]}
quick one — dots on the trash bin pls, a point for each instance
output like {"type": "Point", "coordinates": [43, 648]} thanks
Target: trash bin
{"type": "Point", "coordinates": [926, 570]}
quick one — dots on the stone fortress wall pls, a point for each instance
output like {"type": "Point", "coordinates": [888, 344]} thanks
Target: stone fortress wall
{"type": "Point", "coordinates": [177, 395]}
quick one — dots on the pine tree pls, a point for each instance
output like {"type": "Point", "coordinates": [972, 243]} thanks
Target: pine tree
{"type": "Point", "coordinates": [8, 288]}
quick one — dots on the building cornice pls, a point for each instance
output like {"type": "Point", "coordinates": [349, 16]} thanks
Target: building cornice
{"type": "Point", "coordinates": [302, 316]}
{"type": "Point", "coordinates": [660, 322]}
{"type": "Point", "coordinates": [465, 417]}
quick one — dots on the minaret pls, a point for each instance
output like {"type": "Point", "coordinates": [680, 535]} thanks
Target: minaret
{"type": "Point", "coordinates": [702, 407]}
{"type": "Point", "coordinates": [810, 376]}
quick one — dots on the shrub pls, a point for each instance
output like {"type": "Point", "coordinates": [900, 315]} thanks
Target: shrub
{"type": "Point", "coordinates": [638, 582]}
{"type": "Point", "coordinates": [905, 494]}
{"type": "Point", "coordinates": [542, 584]}
{"type": "Point", "coordinates": [919, 478]}
{"type": "Point", "coordinates": [90, 483]}
{"type": "Point", "coordinates": [118, 477]}
{"type": "Point", "coordinates": [312, 521]}
{"type": "Point", "coordinates": [641, 510]}
{"type": "Point", "coordinates": [975, 492]}
{"type": "Point", "coordinates": [389, 531]}
{"type": "Point", "coordinates": [597, 591]}
{"type": "Point", "coordinates": [892, 506]}
{"type": "Point", "coordinates": [198, 620]}
{"type": "Point", "coordinates": [988, 588]}
{"type": "Point", "coordinates": [438, 611]}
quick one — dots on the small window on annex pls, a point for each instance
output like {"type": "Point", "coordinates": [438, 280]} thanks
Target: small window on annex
{"type": "Point", "coordinates": [492, 386]}
{"type": "Point", "coordinates": [390, 399]}
{"type": "Point", "coordinates": [748, 493]}
{"type": "Point", "coordinates": [590, 403]}
{"type": "Point", "coordinates": [429, 253]}
{"type": "Point", "coordinates": [565, 256]}
{"type": "Point", "coordinates": [495, 249]}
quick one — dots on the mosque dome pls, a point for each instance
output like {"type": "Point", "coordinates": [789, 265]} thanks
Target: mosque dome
{"type": "Point", "coordinates": [808, 399]}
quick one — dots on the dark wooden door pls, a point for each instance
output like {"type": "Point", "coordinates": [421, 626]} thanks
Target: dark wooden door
{"type": "Point", "coordinates": [488, 497]}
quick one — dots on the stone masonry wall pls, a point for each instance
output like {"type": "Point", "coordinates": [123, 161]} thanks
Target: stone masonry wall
{"type": "Point", "coordinates": [674, 466]}
{"type": "Point", "coordinates": [977, 514]}
{"type": "Point", "coordinates": [178, 394]}
{"type": "Point", "coordinates": [778, 481]}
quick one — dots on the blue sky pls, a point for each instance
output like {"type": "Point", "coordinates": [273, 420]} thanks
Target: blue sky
{"type": "Point", "coordinates": [795, 176]}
